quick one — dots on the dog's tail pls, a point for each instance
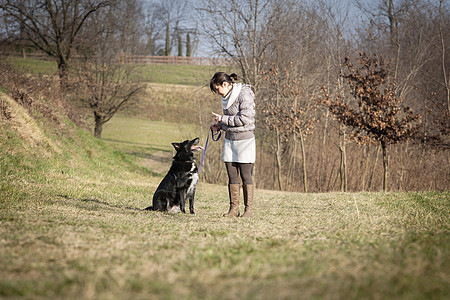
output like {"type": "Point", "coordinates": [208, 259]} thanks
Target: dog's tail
{"type": "Point", "coordinates": [149, 208]}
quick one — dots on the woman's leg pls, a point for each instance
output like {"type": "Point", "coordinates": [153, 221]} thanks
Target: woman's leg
{"type": "Point", "coordinates": [246, 171]}
{"type": "Point", "coordinates": [233, 189]}
{"type": "Point", "coordinates": [233, 172]}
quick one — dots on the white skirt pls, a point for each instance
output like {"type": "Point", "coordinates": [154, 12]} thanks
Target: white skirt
{"type": "Point", "coordinates": [242, 151]}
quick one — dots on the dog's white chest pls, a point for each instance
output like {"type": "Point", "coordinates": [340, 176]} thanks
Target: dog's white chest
{"type": "Point", "coordinates": [193, 184]}
{"type": "Point", "coordinates": [194, 180]}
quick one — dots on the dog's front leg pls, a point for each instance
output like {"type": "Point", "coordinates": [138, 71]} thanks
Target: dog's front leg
{"type": "Point", "coordinates": [191, 202]}
{"type": "Point", "coordinates": [182, 196]}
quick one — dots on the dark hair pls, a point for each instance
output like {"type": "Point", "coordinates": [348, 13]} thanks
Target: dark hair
{"type": "Point", "coordinates": [219, 78]}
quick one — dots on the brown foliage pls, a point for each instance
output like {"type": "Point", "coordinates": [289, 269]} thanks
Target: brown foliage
{"type": "Point", "coordinates": [379, 118]}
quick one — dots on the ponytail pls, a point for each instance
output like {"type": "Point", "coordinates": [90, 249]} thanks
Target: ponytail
{"type": "Point", "coordinates": [219, 78]}
{"type": "Point", "coordinates": [234, 76]}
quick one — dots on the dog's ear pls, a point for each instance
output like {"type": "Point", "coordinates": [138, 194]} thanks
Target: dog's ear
{"type": "Point", "coordinates": [176, 146]}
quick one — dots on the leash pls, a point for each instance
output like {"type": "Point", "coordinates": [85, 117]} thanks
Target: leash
{"type": "Point", "coordinates": [215, 137]}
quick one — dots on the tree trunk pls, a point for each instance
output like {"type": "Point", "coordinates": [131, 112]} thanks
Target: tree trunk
{"type": "Point", "coordinates": [62, 69]}
{"type": "Point", "coordinates": [342, 170]}
{"type": "Point", "coordinates": [302, 144]}
{"type": "Point", "coordinates": [343, 163]}
{"type": "Point", "coordinates": [278, 159]}
{"type": "Point", "coordinates": [394, 38]}
{"type": "Point", "coordinates": [98, 126]}
{"type": "Point", "coordinates": [373, 169]}
{"type": "Point", "coordinates": [403, 162]}
{"type": "Point", "coordinates": [292, 165]}
{"type": "Point", "coordinates": [366, 167]}
{"type": "Point", "coordinates": [443, 63]}
{"type": "Point", "coordinates": [167, 45]}
{"type": "Point", "coordinates": [329, 185]}
{"type": "Point", "coordinates": [322, 178]}
{"type": "Point", "coordinates": [255, 45]}
{"type": "Point", "coordinates": [385, 167]}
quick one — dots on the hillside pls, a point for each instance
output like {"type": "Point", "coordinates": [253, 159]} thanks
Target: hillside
{"type": "Point", "coordinates": [72, 225]}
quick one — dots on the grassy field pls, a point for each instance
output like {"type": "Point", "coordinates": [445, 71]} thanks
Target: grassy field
{"type": "Point", "coordinates": [177, 74]}
{"type": "Point", "coordinates": [192, 75]}
{"type": "Point", "coordinates": [34, 66]}
{"type": "Point", "coordinates": [149, 142]}
{"type": "Point", "coordinates": [72, 226]}
{"type": "Point", "coordinates": [79, 238]}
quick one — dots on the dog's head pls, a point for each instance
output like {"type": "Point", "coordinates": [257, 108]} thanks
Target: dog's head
{"type": "Point", "coordinates": [185, 150]}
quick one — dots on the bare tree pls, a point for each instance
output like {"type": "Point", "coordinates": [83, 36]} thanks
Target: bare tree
{"type": "Point", "coordinates": [387, 16]}
{"type": "Point", "coordinates": [103, 81]}
{"type": "Point", "coordinates": [292, 66]}
{"type": "Point", "coordinates": [335, 20]}
{"type": "Point", "coordinates": [242, 31]}
{"type": "Point", "coordinates": [409, 34]}
{"type": "Point", "coordinates": [105, 88]}
{"type": "Point", "coordinates": [443, 50]}
{"type": "Point", "coordinates": [290, 116]}
{"type": "Point", "coordinates": [129, 25]}
{"type": "Point", "coordinates": [401, 31]}
{"type": "Point", "coordinates": [153, 30]}
{"type": "Point", "coordinates": [52, 25]}
{"type": "Point", "coordinates": [172, 13]}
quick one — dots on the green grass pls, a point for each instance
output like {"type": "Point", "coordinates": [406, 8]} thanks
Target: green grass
{"type": "Point", "coordinates": [177, 74]}
{"type": "Point", "coordinates": [167, 74]}
{"type": "Point", "coordinates": [149, 142]}
{"type": "Point", "coordinates": [131, 133]}
{"type": "Point", "coordinates": [72, 227]}
{"type": "Point", "coordinates": [88, 238]}
{"type": "Point", "coordinates": [34, 66]}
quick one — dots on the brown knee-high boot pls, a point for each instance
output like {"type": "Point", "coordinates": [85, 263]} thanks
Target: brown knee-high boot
{"type": "Point", "coordinates": [233, 190]}
{"type": "Point", "coordinates": [248, 200]}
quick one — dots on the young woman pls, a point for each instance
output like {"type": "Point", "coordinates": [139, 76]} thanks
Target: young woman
{"type": "Point", "coordinates": [239, 149]}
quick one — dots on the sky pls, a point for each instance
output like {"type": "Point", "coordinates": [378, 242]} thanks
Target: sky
{"type": "Point", "coordinates": [339, 7]}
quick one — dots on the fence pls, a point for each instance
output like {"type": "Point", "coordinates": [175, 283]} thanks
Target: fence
{"type": "Point", "coordinates": [147, 59]}
{"type": "Point", "coordinates": [172, 60]}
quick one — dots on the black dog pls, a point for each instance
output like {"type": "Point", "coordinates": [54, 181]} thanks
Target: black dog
{"type": "Point", "coordinates": [180, 182]}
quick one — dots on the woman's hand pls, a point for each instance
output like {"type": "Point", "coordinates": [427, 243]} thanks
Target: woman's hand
{"type": "Point", "coordinates": [217, 118]}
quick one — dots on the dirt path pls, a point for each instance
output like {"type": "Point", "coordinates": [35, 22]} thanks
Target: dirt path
{"type": "Point", "coordinates": [158, 162]}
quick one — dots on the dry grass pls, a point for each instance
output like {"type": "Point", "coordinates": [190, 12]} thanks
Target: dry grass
{"type": "Point", "coordinates": [80, 237]}
{"type": "Point", "coordinates": [24, 124]}
{"type": "Point", "coordinates": [72, 226]}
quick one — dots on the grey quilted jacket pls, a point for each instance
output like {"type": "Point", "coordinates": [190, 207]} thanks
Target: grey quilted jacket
{"type": "Point", "coordinates": [239, 118]}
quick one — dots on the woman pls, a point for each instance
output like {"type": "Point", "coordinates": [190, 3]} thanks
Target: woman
{"type": "Point", "coordinates": [239, 149]}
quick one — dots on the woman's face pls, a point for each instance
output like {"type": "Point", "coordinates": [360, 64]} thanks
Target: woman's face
{"type": "Point", "coordinates": [223, 89]}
